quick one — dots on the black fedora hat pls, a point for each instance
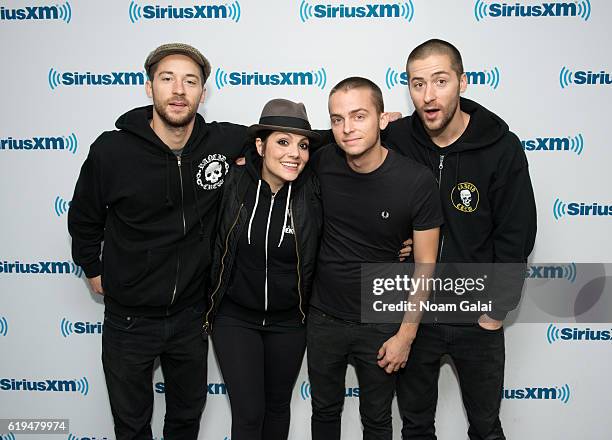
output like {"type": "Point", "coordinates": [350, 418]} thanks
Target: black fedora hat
{"type": "Point", "coordinates": [287, 116]}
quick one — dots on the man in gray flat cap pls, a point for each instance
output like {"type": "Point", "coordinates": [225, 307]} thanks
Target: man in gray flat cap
{"type": "Point", "coordinates": [149, 192]}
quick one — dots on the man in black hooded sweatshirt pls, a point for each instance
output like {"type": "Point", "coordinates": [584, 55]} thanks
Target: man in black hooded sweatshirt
{"type": "Point", "coordinates": [490, 217]}
{"type": "Point", "coordinates": [150, 191]}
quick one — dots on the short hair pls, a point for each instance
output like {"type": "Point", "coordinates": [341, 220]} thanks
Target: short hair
{"type": "Point", "coordinates": [437, 47]}
{"type": "Point", "coordinates": [357, 82]}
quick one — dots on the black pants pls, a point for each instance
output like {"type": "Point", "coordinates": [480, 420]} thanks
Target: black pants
{"type": "Point", "coordinates": [331, 342]}
{"type": "Point", "coordinates": [478, 355]}
{"type": "Point", "coordinates": [130, 346]}
{"type": "Point", "coordinates": [259, 368]}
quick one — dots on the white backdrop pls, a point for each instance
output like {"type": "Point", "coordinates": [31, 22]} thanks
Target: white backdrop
{"type": "Point", "coordinates": [532, 69]}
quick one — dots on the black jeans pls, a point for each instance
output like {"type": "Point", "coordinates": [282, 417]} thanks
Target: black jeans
{"type": "Point", "coordinates": [130, 346]}
{"type": "Point", "coordinates": [478, 356]}
{"type": "Point", "coordinates": [331, 343]}
{"type": "Point", "coordinates": [259, 368]}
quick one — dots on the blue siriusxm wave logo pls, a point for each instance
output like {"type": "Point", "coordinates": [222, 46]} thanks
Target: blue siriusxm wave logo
{"type": "Point", "coordinates": [569, 78]}
{"type": "Point", "coordinates": [315, 78]}
{"type": "Point", "coordinates": [574, 144]}
{"type": "Point", "coordinates": [61, 206]}
{"type": "Point", "coordinates": [80, 386]}
{"type": "Point", "coordinates": [214, 389]}
{"type": "Point", "coordinates": [579, 209]}
{"type": "Point", "coordinates": [561, 393]}
{"type": "Point", "coordinates": [9, 436]}
{"type": "Point", "coordinates": [488, 77]}
{"type": "Point", "coordinates": [567, 272]}
{"type": "Point", "coordinates": [230, 12]}
{"type": "Point", "coordinates": [403, 10]}
{"type": "Point", "coordinates": [68, 79]}
{"type": "Point", "coordinates": [41, 267]}
{"type": "Point", "coordinates": [556, 334]}
{"type": "Point", "coordinates": [61, 12]}
{"type": "Point", "coordinates": [68, 328]}
{"type": "Point", "coordinates": [580, 9]}
{"type": "Point", "coordinates": [87, 437]}
{"type": "Point", "coordinates": [3, 326]}
{"type": "Point", "coordinates": [305, 391]}
{"type": "Point", "coordinates": [68, 143]}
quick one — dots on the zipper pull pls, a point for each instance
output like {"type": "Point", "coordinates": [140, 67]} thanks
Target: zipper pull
{"type": "Point", "coordinates": [206, 328]}
{"type": "Point", "coordinates": [178, 159]}
{"type": "Point", "coordinates": [441, 162]}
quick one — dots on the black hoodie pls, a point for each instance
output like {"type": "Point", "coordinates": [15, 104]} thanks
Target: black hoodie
{"type": "Point", "coordinates": [486, 193]}
{"type": "Point", "coordinates": [154, 211]}
{"type": "Point", "coordinates": [266, 247]}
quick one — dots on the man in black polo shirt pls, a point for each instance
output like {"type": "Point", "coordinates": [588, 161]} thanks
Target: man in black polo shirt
{"type": "Point", "coordinates": [373, 198]}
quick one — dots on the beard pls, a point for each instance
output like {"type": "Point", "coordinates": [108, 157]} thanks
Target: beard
{"type": "Point", "coordinates": [171, 120]}
{"type": "Point", "coordinates": [437, 127]}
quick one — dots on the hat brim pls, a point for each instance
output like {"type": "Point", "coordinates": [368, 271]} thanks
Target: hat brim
{"type": "Point", "coordinates": [312, 135]}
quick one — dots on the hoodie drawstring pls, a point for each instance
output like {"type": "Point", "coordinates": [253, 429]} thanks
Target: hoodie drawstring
{"type": "Point", "coordinates": [253, 213]}
{"type": "Point", "coordinates": [285, 215]}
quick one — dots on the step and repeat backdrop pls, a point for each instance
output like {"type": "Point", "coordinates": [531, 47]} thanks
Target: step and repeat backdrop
{"type": "Point", "coordinates": [70, 68]}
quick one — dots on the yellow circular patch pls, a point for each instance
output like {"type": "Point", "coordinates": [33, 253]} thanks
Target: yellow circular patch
{"type": "Point", "coordinates": [465, 197]}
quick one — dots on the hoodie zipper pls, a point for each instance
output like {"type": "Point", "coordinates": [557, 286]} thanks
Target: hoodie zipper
{"type": "Point", "coordinates": [178, 258]}
{"type": "Point", "coordinates": [266, 249]}
{"type": "Point", "coordinates": [207, 323]}
{"type": "Point", "coordinates": [299, 273]}
{"type": "Point", "coordinates": [440, 168]}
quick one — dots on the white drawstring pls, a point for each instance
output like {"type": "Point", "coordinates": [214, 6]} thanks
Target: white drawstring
{"type": "Point", "coordinates": [285, 216]}
{"type": "Point", "coordinates": [254, 209]}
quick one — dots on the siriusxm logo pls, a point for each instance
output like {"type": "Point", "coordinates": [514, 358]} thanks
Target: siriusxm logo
{"type": "Point", "coordinates": [554, 334]}
{"type": "Point", "coordinates": [56, 12]}
{"type": "Point", "coordinates": [403, 10]}
{"type": "Point", "coordinates": [316, 78]}
{"type": "Point", "coordinates": [3, 326]}
{"type": "Point", "coordinates": [214, 389]}
{"type": "Point", "coordinates": [68, 328]}
{"type": "Point", "coordinates": [488, 77]}
{"type": "Point", "coordinates": [9, 436]}
{"type": "Point", "coordinates": [583, 78]}
{"type": "Point", "coordinates": [80, 386]}
{"type": "Point", "coordinates": [574, 144]}
{"type": "Point", "coordinates": [57, 79]}
{"type": "Point", "coordinates": [68, 143]}
{"type": "Point", "coordinates": [196, 12]}
{"type": "Point", "coordinates": [561, 209]}
{"type": "Point", "coordinates": [533, 393]}
{"type": "Point", "coordinates": [566, 272]}
{"type": "Point", "coordinates": [305, 391]}
{"type": "Point", "coordinates": [60, 206]}
{"type": "Point", "coordinates": [41, 267]}
{"type": "Point", "coordinates": [87, 437]}
{"type": "Point", "coordinates": [580, 9]}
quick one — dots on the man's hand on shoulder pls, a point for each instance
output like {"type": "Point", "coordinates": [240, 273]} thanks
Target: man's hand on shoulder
{"type": "Point", "coordinates": [393, 116]}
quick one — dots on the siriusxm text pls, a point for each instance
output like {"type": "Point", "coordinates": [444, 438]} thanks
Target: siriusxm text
{"type": "Point", "coordinates": [103, 79]}
{"type": "Point", "coordinates": [34, 143]}
{"type": "Point", "coordinates": [197, 12]}
{"type": "Point", "coordinates": [541, 10]}
{"type": "Point", "coordinates": [365, 11]}
{"type": "Point", "coordinates": [38, 385]}
{"type": "Point", "coordinates": [41, 267]}
{"type": "Point", "coordinates": [30, 13]}
{"type": "Point", "coordinates": [546, 144]}
{"type": "Point", "coordinates": [274, 79]}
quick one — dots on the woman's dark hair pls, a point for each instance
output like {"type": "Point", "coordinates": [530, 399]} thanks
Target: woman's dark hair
{"type": "Point", "coordinates": [263, 135]}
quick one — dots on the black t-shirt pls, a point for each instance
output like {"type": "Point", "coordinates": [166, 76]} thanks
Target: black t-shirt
{"type": "Point", "coordinates": [367, 216]}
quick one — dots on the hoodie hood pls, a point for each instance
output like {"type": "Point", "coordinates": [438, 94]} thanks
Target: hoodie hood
{"type": "Point", "coordinates": [138, 122]}
{"type": "Point", "coordinates": [484, 129]}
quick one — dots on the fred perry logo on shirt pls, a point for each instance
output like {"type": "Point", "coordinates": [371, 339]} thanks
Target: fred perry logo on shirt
{"type": "Point", "coordinates": [211, 171]}
{"type": "Point", "coordinates": [465, 197]}
{"type": "Point", "coordinates": [384, 214]}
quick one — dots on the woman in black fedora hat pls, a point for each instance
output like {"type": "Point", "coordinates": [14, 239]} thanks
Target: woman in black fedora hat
{"type": "Point", "coordinates": [264, 258]}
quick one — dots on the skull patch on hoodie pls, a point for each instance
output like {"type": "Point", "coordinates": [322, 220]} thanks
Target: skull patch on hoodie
{"type": "Point", "coordinates": [211, 171]}
{"type": "Point", "coordinates": [465, 197]}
